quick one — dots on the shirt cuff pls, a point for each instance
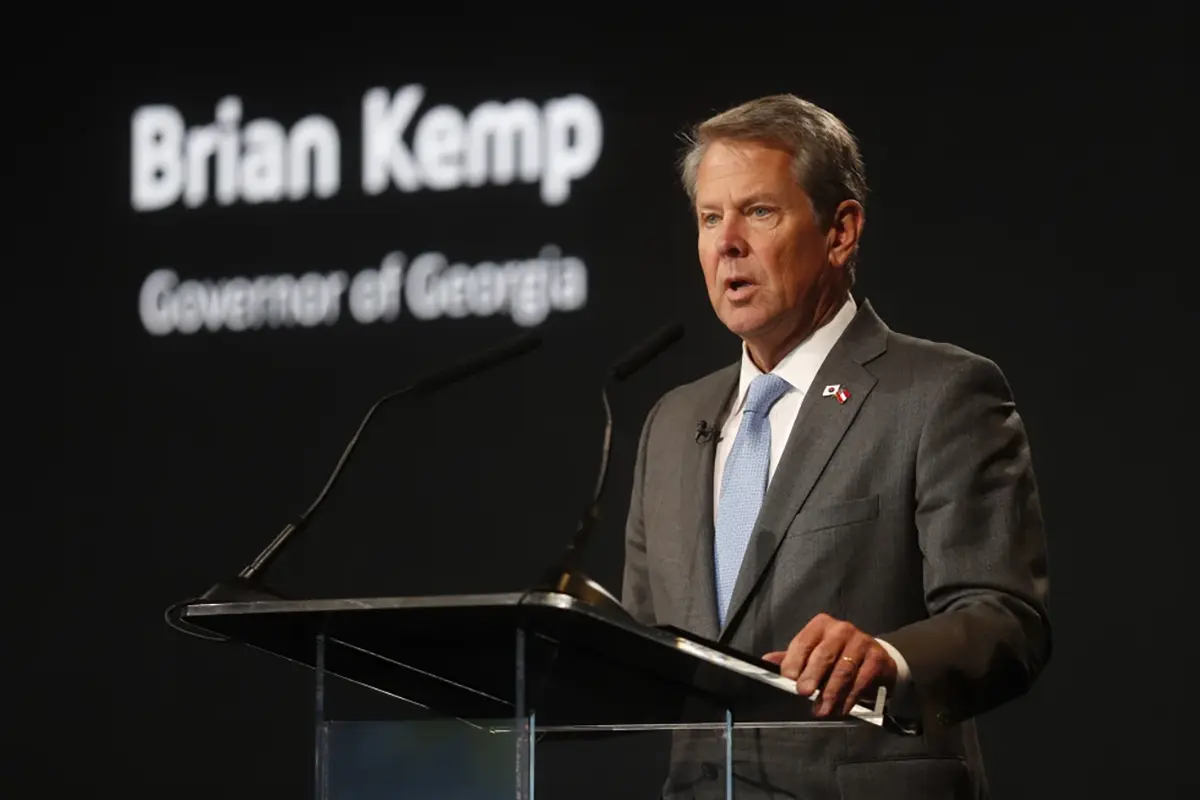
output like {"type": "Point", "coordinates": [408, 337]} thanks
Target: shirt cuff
{"type": "Point", "coordinates": [902, 694]}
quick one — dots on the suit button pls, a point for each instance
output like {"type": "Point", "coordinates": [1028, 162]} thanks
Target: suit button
{"type": "Point", "coordinates": [709, 771]}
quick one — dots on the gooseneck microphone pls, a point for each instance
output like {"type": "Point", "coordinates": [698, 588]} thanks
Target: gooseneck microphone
{"type": "Point", "coordinates": [565, 576]}
{"type": "Point", "coordinates": [247, 584]}
{"type": "Point", "coordinates": [633, 361]}
{"type": "Point", "coordinates": [647, 351]}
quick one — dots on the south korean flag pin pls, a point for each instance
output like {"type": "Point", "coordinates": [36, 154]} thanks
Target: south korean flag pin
{"type": "Point", "coordinates": [836, 390]}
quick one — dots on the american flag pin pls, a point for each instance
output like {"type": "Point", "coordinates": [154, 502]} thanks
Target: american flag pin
{"type": "Point", "coordinates": [831, 390]}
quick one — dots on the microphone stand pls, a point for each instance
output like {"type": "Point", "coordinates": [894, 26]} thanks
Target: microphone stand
{"type": "Point", "coordinates": [247, 585]}
{"type": "Point", "coordinates": [566, 576]}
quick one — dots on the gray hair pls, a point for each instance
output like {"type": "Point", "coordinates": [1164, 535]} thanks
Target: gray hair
{"type": "Point", "coordinates": [825, 158]}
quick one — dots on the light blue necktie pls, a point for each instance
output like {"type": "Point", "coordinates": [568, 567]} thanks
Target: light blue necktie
{"type": "Point", "coordinates": [744, 484]}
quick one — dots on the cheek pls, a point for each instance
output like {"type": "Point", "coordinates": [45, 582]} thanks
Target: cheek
{"type": "Point", "coordinates": [708, 260]}
{"type": "Point", "coordinates": [775, 265]}
{"type": "Point", "coordinates": [793, 270]}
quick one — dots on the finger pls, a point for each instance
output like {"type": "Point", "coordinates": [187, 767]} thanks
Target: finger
{"type": "Point", "coordinates": [821, 659]}
{"type": "Point", "coordinates": [802, 646]}
{"type": "Point", "coordinates": [842, 674]}
{"type": "Point", "coordinates": [775, 657]}
{"type": "Point", "coordinates": [870, 676]}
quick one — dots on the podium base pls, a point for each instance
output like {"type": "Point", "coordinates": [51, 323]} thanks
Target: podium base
{"type": "Point", "coordinates": [239, 590]}
{"type": "Point", "coordinates": [582, 588]}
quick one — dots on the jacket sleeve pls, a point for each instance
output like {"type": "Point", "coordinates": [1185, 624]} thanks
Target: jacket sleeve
{"type": "Point", "coordinates": [980, 528]}
{"type": "Point", "coordinates": [635, 583]}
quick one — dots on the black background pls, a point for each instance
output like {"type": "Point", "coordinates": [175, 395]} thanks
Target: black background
{"type": "Point", "coordinates": [1028, 202]}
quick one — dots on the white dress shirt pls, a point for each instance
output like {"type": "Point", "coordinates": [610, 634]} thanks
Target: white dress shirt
{"type": "Point", "coordinates": [799, 369]}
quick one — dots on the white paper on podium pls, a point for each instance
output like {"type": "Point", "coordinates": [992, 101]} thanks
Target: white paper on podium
{"type": "Point", "coordinates": [763, 675]}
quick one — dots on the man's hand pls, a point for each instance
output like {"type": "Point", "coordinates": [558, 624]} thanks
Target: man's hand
{"type": "Point", "coordinates": [837, 658]}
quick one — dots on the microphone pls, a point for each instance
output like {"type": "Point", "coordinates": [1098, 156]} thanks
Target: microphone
{"type": "Point", "coordinates": [704, 433]}
{"type": "Point", "coordinates": [246, 585]}
{"type": "Point", "coordinates": [565, 576]}
{"type": "Point", "coordinates": [647, 351]}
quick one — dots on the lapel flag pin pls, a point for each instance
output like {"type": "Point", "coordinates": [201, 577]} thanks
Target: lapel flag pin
{"type": "Point", "coordinates": [836, 390]}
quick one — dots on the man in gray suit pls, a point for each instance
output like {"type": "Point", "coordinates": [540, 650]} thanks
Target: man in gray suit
{"type": "Point", "coordinates": [853, 504]}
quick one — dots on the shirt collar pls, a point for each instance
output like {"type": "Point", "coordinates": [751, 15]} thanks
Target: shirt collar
{"type": "Point", "coordinates": [799, 367]}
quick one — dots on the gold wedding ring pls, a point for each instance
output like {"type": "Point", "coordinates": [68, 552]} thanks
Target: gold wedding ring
{"type": "Point", "coordinates": [851, 660]}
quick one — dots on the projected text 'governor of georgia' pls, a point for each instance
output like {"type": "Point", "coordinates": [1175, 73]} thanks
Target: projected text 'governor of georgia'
{"type": "Point", "coordinates": [428, 288]}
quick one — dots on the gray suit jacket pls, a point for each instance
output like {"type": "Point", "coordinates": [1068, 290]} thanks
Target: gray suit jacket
{"type": "Point", "coordinates": [911, 510]}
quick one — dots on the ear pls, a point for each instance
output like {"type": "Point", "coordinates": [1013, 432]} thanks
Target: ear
{"type": "Point", "coordinates": [844, 232]}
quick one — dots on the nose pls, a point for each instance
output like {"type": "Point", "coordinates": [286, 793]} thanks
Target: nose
{"type": "Point", "coordinates": [730, 241]}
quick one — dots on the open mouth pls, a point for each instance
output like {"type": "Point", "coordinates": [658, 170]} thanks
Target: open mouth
{"type": "Point", "coordinates": [739, 287]}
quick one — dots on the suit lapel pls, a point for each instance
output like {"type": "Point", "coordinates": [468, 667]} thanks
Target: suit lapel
{"type": "Point", "coordinates": [696, 513]}
{"type": "Point", "coordinates": [819, 429]}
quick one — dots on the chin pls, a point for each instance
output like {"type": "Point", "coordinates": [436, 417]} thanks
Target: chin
{"type": "Point", "coordinates": [744, 322]}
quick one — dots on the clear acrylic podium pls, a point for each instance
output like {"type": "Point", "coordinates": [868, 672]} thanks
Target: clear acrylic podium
{"type": "Point", "coordinates": [468, 689]}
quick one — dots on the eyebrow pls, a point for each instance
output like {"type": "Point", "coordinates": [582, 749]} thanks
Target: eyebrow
{"type": "Point", "coordinates": [749, 200]}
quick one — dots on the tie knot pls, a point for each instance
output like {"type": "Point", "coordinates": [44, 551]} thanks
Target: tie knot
{"type": "Point", "coordinates": [763, 392]}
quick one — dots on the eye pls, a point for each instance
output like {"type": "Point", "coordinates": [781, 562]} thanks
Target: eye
{"type": "Point", "coordinates": [762, 212]}
{"type": "Point", "coordinates": [709, 219]}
